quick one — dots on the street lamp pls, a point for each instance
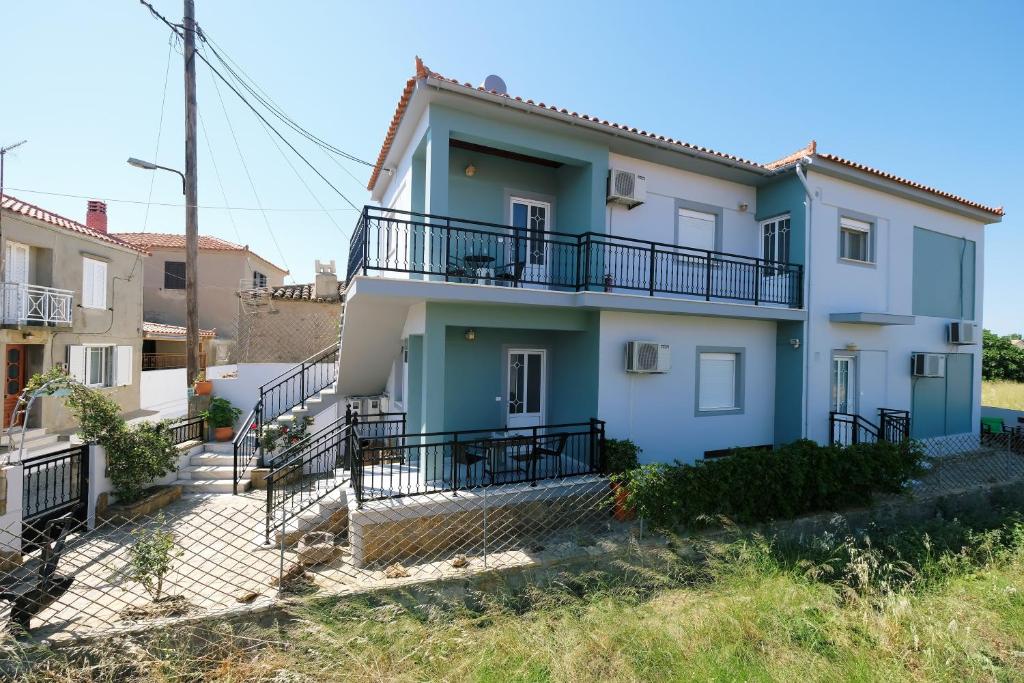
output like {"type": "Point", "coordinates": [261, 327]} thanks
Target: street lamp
{"type": "Point", "coordinates": [150, 166]}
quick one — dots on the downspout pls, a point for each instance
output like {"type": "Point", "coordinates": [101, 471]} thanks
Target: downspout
{"type": "Point", "coordinates": [807, 289]}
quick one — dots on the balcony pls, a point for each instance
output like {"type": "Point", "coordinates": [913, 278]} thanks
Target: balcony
{"type": "Point", "coordinates": [25, 304]}
{"type": "Point", "coordinates": [169, 361]}
{"type": "Point", "coordinates": [390, 243]}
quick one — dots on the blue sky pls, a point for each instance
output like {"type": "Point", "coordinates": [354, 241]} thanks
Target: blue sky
{"type": "Point", "coordinates": [932, 91]}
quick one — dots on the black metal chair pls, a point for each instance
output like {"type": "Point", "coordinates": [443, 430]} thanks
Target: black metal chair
{"type": "Point", "coordinates": [468, 455]}
{"type": "Point", "coordinates": [49, 585]}
{"type": "Point", "coordinates": [510, 273]}
{"type": "Point", "coordinates": [543, 447]}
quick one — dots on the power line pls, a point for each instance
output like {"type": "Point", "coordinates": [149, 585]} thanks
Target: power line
{"type": "Point", "coordinates": [174, 205]}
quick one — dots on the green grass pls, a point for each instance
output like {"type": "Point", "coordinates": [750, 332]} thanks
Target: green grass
{"type": "Point", "coordinates": [998, 394]}
{"type": "Point", "coordinates": [943, 602]}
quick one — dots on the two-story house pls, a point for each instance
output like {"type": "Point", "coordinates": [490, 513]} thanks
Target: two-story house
{"type": "Point", "coordinates": [224, 269]}
{"type": "Point", "coordinates": [529, 266]}
{"type": "Point", "coordinates": [71, 296]}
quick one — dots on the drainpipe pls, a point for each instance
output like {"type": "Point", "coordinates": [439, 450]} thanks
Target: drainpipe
{"type": "Point", "coordinates": [807, 288]}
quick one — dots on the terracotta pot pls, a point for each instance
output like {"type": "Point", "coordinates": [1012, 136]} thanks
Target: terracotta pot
{"type": "Point", "coordinates": [204, 388]}
{"type": "Point", "coordinates": [223, 433]}
{"type": "Point", "coordinates": [621, 510]}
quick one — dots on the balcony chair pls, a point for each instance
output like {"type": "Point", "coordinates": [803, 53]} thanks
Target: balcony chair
{"type": "Point", "coordinates": [543, 447]}
{"type": "Point", "coordinates": [469, 455]}
{"type": "Point", "coordinates": [509, 274]}
{"type": "Point", "coordinates": [383, 452]}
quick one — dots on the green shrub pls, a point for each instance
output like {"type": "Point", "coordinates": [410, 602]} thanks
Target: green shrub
{"type": "Point", "coordinates": [620, 455]}
{"type": "Point", "coordinates": [136, 454]}
{"type": "Point", "coordinates": [221, 413]}
{"type": "Point", "coordinates": [151, 557]}
{"type": "Point", "coordinates": [753, 485]}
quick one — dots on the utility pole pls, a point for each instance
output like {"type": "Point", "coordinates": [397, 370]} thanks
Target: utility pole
{"type": "Point", "coordinates": [191, 199]}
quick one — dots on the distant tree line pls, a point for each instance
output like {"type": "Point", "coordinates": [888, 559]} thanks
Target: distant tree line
{"type": "Point", "coordinates": [1001, 359]}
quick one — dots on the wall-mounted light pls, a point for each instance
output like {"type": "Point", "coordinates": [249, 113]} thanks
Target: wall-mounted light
{"type": "Point", "coordinates": [852, 346]}
{"type": "Point", "coordinates": [795, 343]}
{"type": "Point", "coordinates": [471, 170]}
{"type": "Point", "coordinates": [744, 206]}
{"type": "Point", "coordinates": [470, 334]}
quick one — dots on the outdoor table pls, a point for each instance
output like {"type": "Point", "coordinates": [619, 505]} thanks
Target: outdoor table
{"type": "Point", "coordinates": [482, 265]}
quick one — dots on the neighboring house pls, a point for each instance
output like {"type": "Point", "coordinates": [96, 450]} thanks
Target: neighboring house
{"type": "Point", "coordinates": [1019, 343]}
{"type": "Point", "coordinates": [163, 346]}
{"type": "Point", "coordinates": [519, 248]}
{"type": "Point", "coordinates": [72, 295]}
{"type": "Point", "coordinates": [289, 323]}
{"type": "Point", "coordinates": [223, 269]}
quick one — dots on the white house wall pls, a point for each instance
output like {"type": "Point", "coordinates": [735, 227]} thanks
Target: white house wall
{"type": "Point", "coordinates": [884, 352]}
{"type": "Point", "coordinates": [656, 218]}
{"type": "Point", "coordinates": [657, 411]}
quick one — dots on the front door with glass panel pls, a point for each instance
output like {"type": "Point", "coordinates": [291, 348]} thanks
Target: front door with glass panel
{"type": "Point", "coordinates": [17, 257]}
{"type": "Point", "coordinates": [844, 395]}
{"type": "Point", "coordinates": [14, 381]}
{"type": "Point", "coordinates": [526, 387]}
{"type": "Point", "coordinates": [533, 220]}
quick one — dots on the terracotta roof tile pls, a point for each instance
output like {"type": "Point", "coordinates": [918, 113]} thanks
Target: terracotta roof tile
{"type": "Point", "coordinates": [163, 330]}
{"type": "Point", "coordinates": [171, 240]}
{"type": "Point", "coordinates": [22, 208]}
{"type": "Point", "coordinates": [302, 293]}
{"type": "Point", "coordinates": [423, 74]}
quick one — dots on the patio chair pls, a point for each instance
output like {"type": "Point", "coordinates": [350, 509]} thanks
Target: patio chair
{"type": "Point", "coordinates": [510, 273]}
{"type": "Point", "coordinates": [49, 585]}
{"type": "Point", "coordinates": [382, 452]}
{"type": "Point", "coordinates": [469, 455]}
{"type": "Point", "coordinates": [543, 447]}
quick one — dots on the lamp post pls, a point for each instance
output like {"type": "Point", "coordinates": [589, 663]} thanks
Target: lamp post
{"type": "Point", "coordinates": [191, 257]}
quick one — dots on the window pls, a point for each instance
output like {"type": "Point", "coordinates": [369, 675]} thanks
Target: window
{"type": "Point", "coordinates": [719, 381]}
{"type": "Point", "coordinates": [842, 384]}
{"type": "Point", "coordinates": [258, 279]}
{"type": "Point", "coordinates": [696, 229]}
{"type": "Point", "coordinates": [98, 364]}
{"type": "Point", "coordinates": [174, 275]}
{"type": "Point", "coordinates": [94, 283]}
{"type": "Point", "coordinates": [775, 239]}
{"type": "Point", "coordinates": [854, 239]}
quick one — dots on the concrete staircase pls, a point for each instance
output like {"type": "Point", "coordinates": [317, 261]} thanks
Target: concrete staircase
{"type": "Point", "coordinates": [329, 513]}
{"type": "Point", "coordinates": [312, 406]}
{"type": "Point", "coordinates": [211, 470]}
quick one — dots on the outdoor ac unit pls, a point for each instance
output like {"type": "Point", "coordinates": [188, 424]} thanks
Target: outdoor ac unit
{"type": "Point", "coordinates": [626, 187]}
{"type": "Point", "coordinates": [928, 365]}
{"type": "Point", "coordinates": [963, 333]}
{"type": "Point", "coordinates": [366, 406]}
{"type": "Point", "coordinates": [648, 357]}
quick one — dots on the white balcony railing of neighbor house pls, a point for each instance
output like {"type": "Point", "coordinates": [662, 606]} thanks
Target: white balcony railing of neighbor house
{"type": "Point", "coordinates": [25, 304]}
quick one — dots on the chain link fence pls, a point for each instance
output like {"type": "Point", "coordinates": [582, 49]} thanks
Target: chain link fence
{"type": "Point", "coordinates": [967, 461]}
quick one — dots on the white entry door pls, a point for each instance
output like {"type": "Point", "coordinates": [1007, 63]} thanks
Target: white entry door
{"type": "Point", "coordinates": [16, 265]}
{"type": "Point", "coordinates": [526, 387]}
{"type": "Point", "coordinates": [533, 218]}
{"type": "Point", "coordinates": [844, 380]}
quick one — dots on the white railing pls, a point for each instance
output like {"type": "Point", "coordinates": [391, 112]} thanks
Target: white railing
{"type": "Point", "coordinates": [24, 303]}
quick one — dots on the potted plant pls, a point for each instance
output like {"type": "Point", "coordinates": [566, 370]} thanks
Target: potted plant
{"type": "Point", "coordinates": [221, 416]}
{"type": "Point", "coordinates": [202, 386]}
{"type": "Point", "coordinates": [621, 455]}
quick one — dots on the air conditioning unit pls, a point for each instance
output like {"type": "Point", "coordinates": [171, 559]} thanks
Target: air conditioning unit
{"type": "Point", "coordinates": [928, 365]}
{"type": "Point", "coordinates": [367, 406]}
{"type": "Point", "coordinates": [626, 187]}
{"type": "Point", "coordinates": [962, 333]}
{"type": "Point", "coordinates": [648, 357]}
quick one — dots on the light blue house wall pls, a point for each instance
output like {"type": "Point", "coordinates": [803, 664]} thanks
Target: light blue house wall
{"type": "Point", "coordinates": [944, 275]}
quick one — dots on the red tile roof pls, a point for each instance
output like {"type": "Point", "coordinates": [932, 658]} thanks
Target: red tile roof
{"type": "Point", "coordinates": [23, 208]}
{"type": "Point", "coordinates": [162, 330]}
{"type": "Point", "coordinates": [424, 74]}
{"type": "Point", "coordinates": [170, 240]}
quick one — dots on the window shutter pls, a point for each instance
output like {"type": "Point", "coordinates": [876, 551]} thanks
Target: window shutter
{"type": "Point", "coordinates": [100, 287]}
{"type": "Point", "coordinates": [76, 363]}
{"type": "Point", "coordinates": [717, 381]}
{"type": "Point", "coordinates": [696, 229]}
{"type": "Point", "coordinates": [123, 366]}
{"type": "Point", "coordinates": [87, 282]}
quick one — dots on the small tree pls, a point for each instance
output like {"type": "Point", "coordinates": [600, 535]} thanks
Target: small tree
{"type": "Point", "coordinates": [151, 558]}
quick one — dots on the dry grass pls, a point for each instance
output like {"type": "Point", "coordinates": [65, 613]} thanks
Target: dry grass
{"type": "Point", "coordinates": [944, 603]}
{"type": "Point", "coordinates": [1003, 395]}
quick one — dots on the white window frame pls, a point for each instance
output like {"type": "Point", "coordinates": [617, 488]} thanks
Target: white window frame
{"type": "Point", "coordinates": [94, 272]}
{"type": "Point", "coordinates": [532, 258]}
{"type": "Point", "coordinates": [850, 361]}
{"type": "Point", "coordinates": [776, 256]}
{"type": "Point", "coordinates": [737, 356]}
{"type": "Point", "coordinates": [696, 214]}
{"type": "Point", "coordinates": [106, 365]}
{"type": "Point", "coordinates": [848, 224]}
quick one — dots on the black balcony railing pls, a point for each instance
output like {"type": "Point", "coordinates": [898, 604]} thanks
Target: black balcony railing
{"type": "Point", "coordinates": [846, 429]}
{"type": "Point", "coordinates": [455, 250]}
{"type": "Point", "coordinates": [400, 465]}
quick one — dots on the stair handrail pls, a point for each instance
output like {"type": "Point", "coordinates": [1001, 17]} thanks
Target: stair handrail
{"type": "Point", "coordinates": [251, 423]}
{"type": "Point", "coordinates": [301, 364]}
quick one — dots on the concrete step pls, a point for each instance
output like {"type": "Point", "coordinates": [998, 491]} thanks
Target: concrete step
{"type": "Point", "coordinates": [212, 485]}
{"type": "Point", "coordinates": [220, 447]}
{"type": "Point", "coordinates": [194, 472]}
{"type": "Point", "coordinates": [216, 459]}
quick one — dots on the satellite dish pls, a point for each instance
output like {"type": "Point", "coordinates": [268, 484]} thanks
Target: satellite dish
{"type": "Point", "coordinates": [495, 83]}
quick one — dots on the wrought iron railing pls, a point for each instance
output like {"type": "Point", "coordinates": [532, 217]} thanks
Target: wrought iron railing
{"type": "Point", "coordinates": [413, 464]}
{"type": "Point", "coordinates": [34, 304]}
{"type": "Point", "coordinates": [168, 361]}
{"type": "Point", "coordinates": [54, 483]}
{"type": "Point", "coordinates": [290, 389]}
{"type": "Point", "coordinates": [388, 241]}
{"type": "Point", "coordinates": [846, 429]}
{"type": "Point", "coordinates": [306, 472]}
{"type": "Point", "coordinates": [187, 429]}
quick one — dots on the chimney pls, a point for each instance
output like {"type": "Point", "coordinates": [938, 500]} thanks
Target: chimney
{"type": "Point", "coordinates": [96, 215]}
{"type": "Point", "coordinates": [326, 284]}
